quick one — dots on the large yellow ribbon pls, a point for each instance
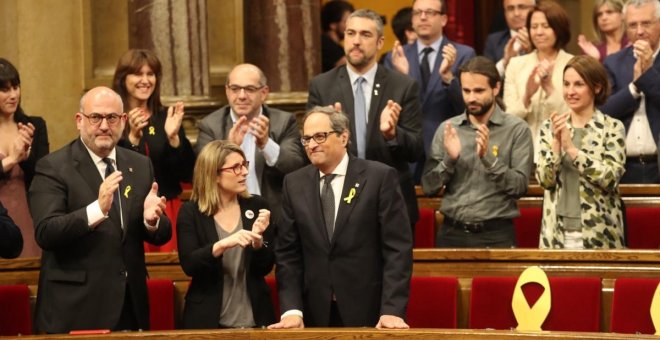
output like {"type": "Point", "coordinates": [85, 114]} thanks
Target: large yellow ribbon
{"type": "Point", "coordinates": [531, 318]}
{"type": "Point", "coordinates": [655, 310]}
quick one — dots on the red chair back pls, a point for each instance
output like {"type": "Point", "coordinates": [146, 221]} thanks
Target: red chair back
{"type": "Point", "coordinates": [575, 303]}
{"type": "Point", "coordinates": [631, 306]}
{"type": "Point", "coordinates": [528, 227]}
{"type": "Point", "coordinates": [272, 284]}
{"type": "Point", "coordinates": [161, 304]}
{"type": "Point", "coordinates": [642, 230]}
{"type": "Point", "coordinates": [425, 229]}
{"type": "Point", "coordinates": [432, 302]}
{"type": "Point", "coordinates": [15, 310]}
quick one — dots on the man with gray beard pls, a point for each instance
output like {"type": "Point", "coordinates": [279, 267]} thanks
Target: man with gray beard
{"type": "Point", "coordinates": [483, 159]}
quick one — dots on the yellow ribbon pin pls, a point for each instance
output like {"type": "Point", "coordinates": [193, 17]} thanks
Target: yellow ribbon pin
{"type": "Point", "coordinates": [152, 130]}
{"type": "Point", "coordinates": [496, 150]}
{"type": "Point", "coordinates": [350, 196]}
{"type": "Point", "coordinates": [126, 191]}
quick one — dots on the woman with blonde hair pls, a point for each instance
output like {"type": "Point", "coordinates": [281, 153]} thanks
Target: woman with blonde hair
{"type": "Point", "coordinates": [608, 23]}
{"type": "Point", "coordinates": [225, 244]}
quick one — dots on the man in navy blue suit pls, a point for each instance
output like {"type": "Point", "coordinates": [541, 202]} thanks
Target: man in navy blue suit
{"type": "Point", "coordinates": [433, 61]}
{"type": "Point", "coordinates": [634, 73]}
{"type": "Point", "coordinates": [503, 45]}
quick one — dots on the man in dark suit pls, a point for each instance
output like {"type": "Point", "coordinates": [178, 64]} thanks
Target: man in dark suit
{"type": "Point", "coordinates": [344, 251]}
{"type": "Point", "coordinates": [388, 126]}
{"type": "Point", "coordinates": [269, 137]}
{"type": "Point", "coordinates": [433, 62]}
{"type": "Point", "coordinates": [11, 240]}
{"type": "Point", "coordinates": [91, 222]}
{"type": "Point", "coordinates": [501, 46]}
{"type": "Point", "coordinates": [634, 72]}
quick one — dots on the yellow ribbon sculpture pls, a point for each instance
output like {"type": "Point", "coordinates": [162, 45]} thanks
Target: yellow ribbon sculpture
{"type": "Point", "coordinates": [531, 318]}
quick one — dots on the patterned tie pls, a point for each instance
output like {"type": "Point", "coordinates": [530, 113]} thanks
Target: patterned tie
{"type": "Point", "coordinates": [360, 118]}
{"type": "Point", "coordinates": [328, 203]}
{"type": "Point", "coordinates": [424, 67]}
{"type": "Point", "coordinates": [116, 204]}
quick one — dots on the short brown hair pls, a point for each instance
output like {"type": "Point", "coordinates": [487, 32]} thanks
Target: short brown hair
{"type": "Point", "coordinates": [557, 19]}
{"type": "Point", "coordinates": [131, 62]}
{"type": "Point", "coordinates": [205, 190]}
{"type": "Point", "coordinates": [594, 75]}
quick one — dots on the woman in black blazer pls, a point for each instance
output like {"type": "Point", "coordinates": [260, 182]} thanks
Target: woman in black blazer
{"type": "Point", "coordinates": [225, 244]}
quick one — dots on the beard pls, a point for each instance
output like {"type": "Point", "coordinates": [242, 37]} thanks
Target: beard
{"type": "Point", "coordinates": [483, 109]}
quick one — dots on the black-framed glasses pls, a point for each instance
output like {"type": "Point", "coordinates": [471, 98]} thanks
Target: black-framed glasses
{"type": "Point", "coordinates": [429, 12]}
{"type": "Point", "coordinates": [319, 137]}
{"type": "Point", "coordinates": [236, 168]}
{"type": "Point", "coordinates": [250, 89]}
{"type": "Point", "coordinates": [519, 7]}
{"type": "Point", "coordinates": [95, 118]}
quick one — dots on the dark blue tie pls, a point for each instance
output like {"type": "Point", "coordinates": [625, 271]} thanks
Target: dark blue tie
{"type": "Point", "coordinates": [425, 68]}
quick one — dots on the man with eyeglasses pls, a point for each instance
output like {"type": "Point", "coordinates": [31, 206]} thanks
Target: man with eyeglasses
{"type": "Point", "coordinates": [382, 105]}
{"type": "Point", "coordinates": [433, 62]}
{"type": "Point", "coordinates": [344, 249]}
{"type": "Point", "coordinates": [93, 206]}
{"type": "Point", "coordinates": [269, 137]}
{"type": "Point", "coordinates": [503, 45]}
{"type": "Point", "coordinates": [634, 73]}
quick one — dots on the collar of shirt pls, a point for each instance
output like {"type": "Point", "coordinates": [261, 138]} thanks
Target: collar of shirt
{"type": "Point", "coordinates": [234, 117]}
{"type": "Point", "coordinates": [340, 169]}
{"type": "Point", "coordinates": [369, 76]}
{"type": "Point", "coordinates": [98, 161]}
{"type": "Point", "coordinates": [338, 183]}
{"type": "Point", "coordinates": [497, 118]}
{"type": "Point", "coordinates": [434, 45]}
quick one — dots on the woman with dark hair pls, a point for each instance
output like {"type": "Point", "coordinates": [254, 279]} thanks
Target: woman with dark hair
{"type": "Point", "coordinates": [532, 85]}
{"type": "Point", "coordinates": [608, 23]}
{"type": "Point", "coordinates": [581, 160]}
{"type": "Point", "coordinates": [23, 140]}
{"type": "Point", "coordinates": [225, 244]}
{"type": "Point", "coordinates": [154, 130]}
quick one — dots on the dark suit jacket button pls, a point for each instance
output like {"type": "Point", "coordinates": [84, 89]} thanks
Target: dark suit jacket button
{"type": "Point", "coordinates": [123, 273]}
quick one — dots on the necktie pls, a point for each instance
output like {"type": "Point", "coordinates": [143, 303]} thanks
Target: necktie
{"type": "Point", "coordinates": [424, 67]}
{"type": "Point", "coordinates": [116, 204]}
{"type": "Point", "coordinates": [360, 119]}
{"type": "Point", "coordinates": [328, 203]}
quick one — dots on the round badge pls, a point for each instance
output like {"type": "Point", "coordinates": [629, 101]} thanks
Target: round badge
{"type": "Point", "coordinates": [249, 214]}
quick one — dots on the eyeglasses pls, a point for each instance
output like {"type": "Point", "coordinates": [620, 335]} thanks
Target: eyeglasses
{"type": "Point", "coordinates": [319, 137]}
{"type": "Point", "coordinates": [236, 89]}
{"type": "Point", "coordinates": [429, 12]}
{"type": "Point", "coordinates": [519, 7]}
{"type": "Point", "coordinates": [95, 118]}
{"type": "Point", "coordinates": [644, 24]}
{"type": "Point", "coordinates": [237, 168]}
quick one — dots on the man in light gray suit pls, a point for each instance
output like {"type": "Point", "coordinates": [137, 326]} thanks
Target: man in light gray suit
{"type": "Point", "coordinates": [269, 137]}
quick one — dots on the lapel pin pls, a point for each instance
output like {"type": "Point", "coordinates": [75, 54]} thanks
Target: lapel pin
{"type": "Point", "coordinates": [375, 92]}
{"type": "Point", "coordinates": [152, 130]}
{"type": "Point", "coordinates": [130, 169]}
{"type": "Point", "coordinates": [496, 150]}
{"type": "Point", "coordinates": [377, 85]}
{"type": "Point", "coordinates": [127, 190]}
{"type": "Point", "coordinates": [357, 185]}
{"type": "Point", "coordinates": [249, 214]}
{"type": "Point", "coordinates": [350, 196]}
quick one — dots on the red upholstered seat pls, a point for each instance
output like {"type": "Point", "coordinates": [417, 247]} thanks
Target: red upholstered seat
{"type": "Point", "coordinates": [528, 227]}
{"type": "Point", "coordinates": [643, 232]}
{"type": "Point", "coordinates": [432, 302]}
{"type": "Point", "coordinates": [631, 306]}
{"type": "Point", "coordinates": [272, 283]}
{"type": "Point", "coordinates": [425, 229]}
{"type": "Point", "coordinates": [161, 304]}
{"type": "Point", "coordinates": [15, 310]}
{"type": "Point", "coordinates": [575, 303]}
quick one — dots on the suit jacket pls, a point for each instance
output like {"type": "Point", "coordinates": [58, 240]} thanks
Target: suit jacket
{"type": "Point", "coordinates": [85, 272]}
{"type": "Point", "coordinates": [439, 101]}
{"type": "Point", "coordinates": [495, 44]}
{"type": "Point", "coordinates": [197, 235]}
{"type": "Point", "coordinates": [621, 104]}
{"type": "Point", "coordinates": [368, 263]}
{"type": "Point", "coordinates": [335, 86]}
{"type": "Point", "coordinates": [39, 145]}
{"type": "Point", "coordinates": [283, 130]}
{"type": "Point", "coordinates": [11, 240]}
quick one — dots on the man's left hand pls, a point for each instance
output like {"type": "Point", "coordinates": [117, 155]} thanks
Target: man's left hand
{"type": "Point", "coordinates": [389, 118]}
{"type": "Point", "coordinates": [391, 322]}
{"type": "Point", "coordinates": [449, 55]}
{"type": "Point", "coordinates": [153, 205]}
{"type": "Point", "coordinates": [259, 127]}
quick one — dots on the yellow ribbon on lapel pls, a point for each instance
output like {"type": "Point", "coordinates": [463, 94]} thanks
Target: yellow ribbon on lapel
{"type": "Point", "coordinates": [350, 196]}
{"type": "Point", "coordinates": [126, 191]}
{"type": "Point", "coordinates": [655, 310]}
{"type": "Point", "coordinates": [152, 130]}
{"type": "Point", "coordinates": [531, 318]}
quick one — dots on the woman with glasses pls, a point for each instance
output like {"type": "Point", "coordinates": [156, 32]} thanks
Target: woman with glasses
{"type": "Point", "coordinates": [23, 140]}
{"type": "Point", "coordinates": [581, 161]}
{"type": "Point", "coordinates": [225, 244]}
{"type": "Point", "coordinates": [154, 130]}
{"type": "Point", "coordinates": [533, 82]}
{"type": "Point", "coordinates": [608, 23]}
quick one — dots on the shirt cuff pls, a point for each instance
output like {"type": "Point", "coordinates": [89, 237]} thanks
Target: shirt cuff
{"type": "Point", "coordinates": [500, 67]}
{"type": "Point", "coordinates": [292, 312]}
{"type": "Point", "coordinates": [95, 214]}
{"type": "Point", "coordinates": [271, 152]}
{"type": "Point", "coordinates": [151, 228]}
{"type": "Point", "coordinates": [634, 91]}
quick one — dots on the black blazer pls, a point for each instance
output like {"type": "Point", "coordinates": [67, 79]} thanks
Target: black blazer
{"type": "Point", "coordinates": [335, 86]}
{"type": "Point", "coordinates": [368, 262]}
{"type": "Point", "coordinates": [11, 240]}
{"type": "Point", "coordinates": [196, 234]}
{"type": "Point", "coordinates": [86, 272]}
{"type": "Point", "coordinates": [39, 145]}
